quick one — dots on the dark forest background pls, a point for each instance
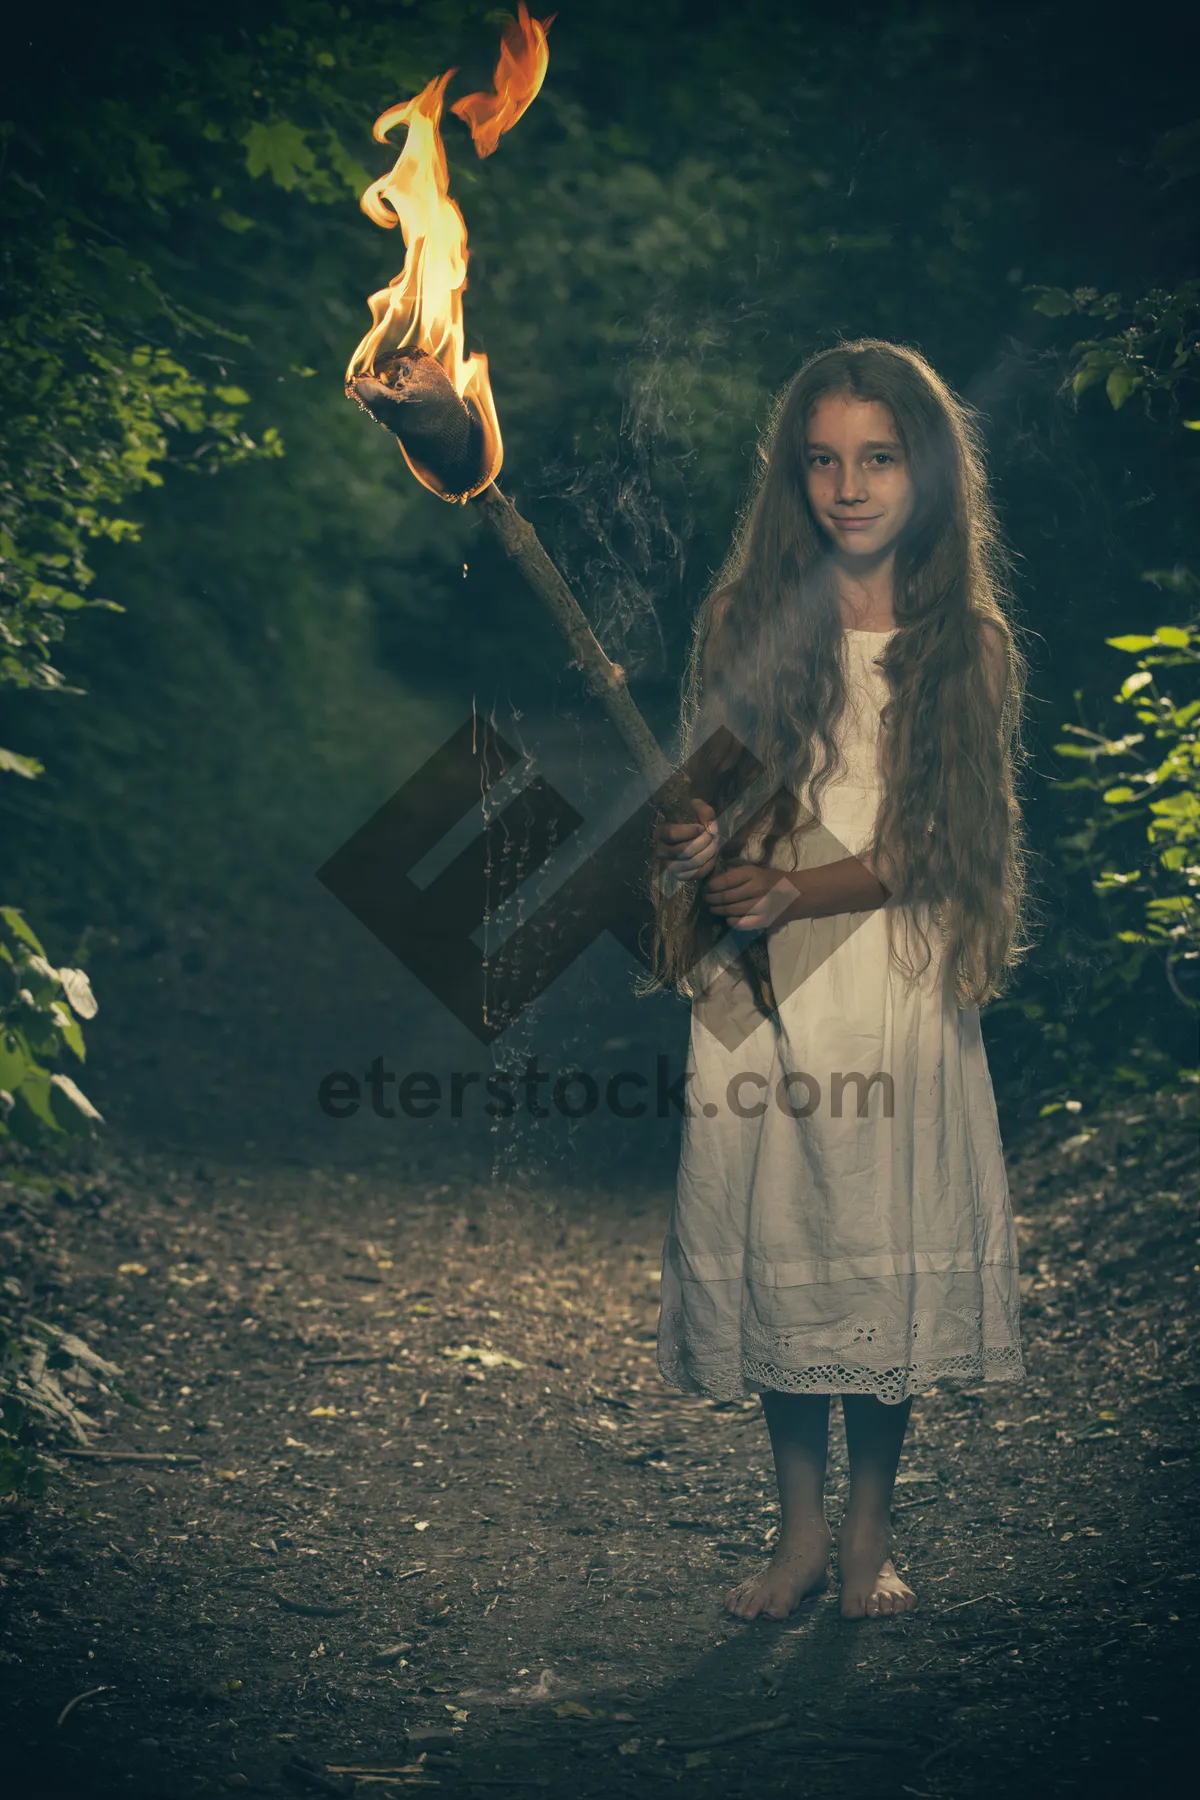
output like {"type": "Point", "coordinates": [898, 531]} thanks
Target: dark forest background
{"type": "Point", "coordinates": [699, 198]}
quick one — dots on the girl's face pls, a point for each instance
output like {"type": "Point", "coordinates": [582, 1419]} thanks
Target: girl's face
{"type": "Point", "coordinates": [856, 475]}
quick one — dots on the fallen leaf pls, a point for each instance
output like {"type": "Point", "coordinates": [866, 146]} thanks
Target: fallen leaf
{"type": "Point", "coordinates": [178, 1273]}
{"type": "Point", "coordinates": [491, 1359]}
{"type": "Point", "coordinates": [132, 1269]}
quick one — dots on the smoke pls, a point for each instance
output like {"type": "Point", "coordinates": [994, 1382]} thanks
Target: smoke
{"type": "Point", "coordinates": [626, 518]}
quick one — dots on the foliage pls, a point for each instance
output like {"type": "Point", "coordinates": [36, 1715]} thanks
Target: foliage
{"type": "Point", "coordinates": [39, 1018]}
{"type": "Point", "coordinates": [1156, 348]}
{"type": "Point", "coordinates": [42, 1371]}
{"type": "Point", "coordinates": [109, 375]}
{"type": "Point", "coordinates": [1151, 797]}
{"type": "Point", "coordinates": [92, 407]}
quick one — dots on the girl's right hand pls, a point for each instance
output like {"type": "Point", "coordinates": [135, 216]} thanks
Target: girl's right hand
{"type": "Point", "coordinates": [689, 851]}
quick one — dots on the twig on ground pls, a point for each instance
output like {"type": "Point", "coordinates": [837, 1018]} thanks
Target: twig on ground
{"type": "Point", "coordinates": [86, 1695]}
{"type": "Point", "coordinates": [313, 1611]}
{"type": "Point", "coordinates": [173, 1458]}
{"type": "Point", "coordinates": [302, 1772]}
{"type": "Point", "coordinates": [735, 1735]}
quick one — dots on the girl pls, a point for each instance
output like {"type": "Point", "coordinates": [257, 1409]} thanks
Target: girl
{"type": "Point", "coordinates": [842, 1221]}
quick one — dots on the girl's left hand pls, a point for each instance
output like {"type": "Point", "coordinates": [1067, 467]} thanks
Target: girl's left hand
{"type": "Point", "coordinates": [750, 897]}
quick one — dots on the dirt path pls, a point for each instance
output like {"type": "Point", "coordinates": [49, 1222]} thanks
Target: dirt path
{"type": "Point", "coordinates": [446, 1519]}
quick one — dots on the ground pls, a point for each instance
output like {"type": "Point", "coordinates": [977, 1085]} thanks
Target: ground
{"type": "Point", "coordinates": [447, 1528]}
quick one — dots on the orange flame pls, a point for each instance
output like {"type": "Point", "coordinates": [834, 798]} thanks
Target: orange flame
{"type": "Point", "coordinates": [422, 307]}
{"type": "Point", "coordinates": [520, 72]}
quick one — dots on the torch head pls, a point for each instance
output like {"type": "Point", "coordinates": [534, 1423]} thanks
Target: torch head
{"type": "Point", "coordinates": [442, 437]}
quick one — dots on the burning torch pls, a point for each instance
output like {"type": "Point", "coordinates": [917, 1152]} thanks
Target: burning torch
{"type": "Point", "coordinates": [412, 374]}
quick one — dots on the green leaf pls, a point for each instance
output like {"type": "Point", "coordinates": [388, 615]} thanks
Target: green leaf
{"type": "Point", "coordinates": [1191, 424]}
{"type": "Point", "coordinates": [39, 977]}
{"type": "Point", "coordinates": [28, 766]}
{"type": "Point", "coordinates": [15, 920]}
{"type": "Point", "coordinates": [232, 396]}
{"type": "Point", "coordinates": [1131, 643]}
{"type": "Point", "coordinates": [346, 166]}
{"type": "Point", "coordinates": [1116, 796]}
{"type": "Point", "coordinates": [73, 1111]}
{"type": "Point", "coordinates": [1055, 303]}
{"type": "Point", "coordinates": [34, 1093]}
{"type": "Point", "coordinates": [1174, 636]}
{"type": "Point", "coordinates": [1134, 683]}
{"type": "Point", "coordinates": [1122, 381]}
{"type": "Point", "coordinates": [13, 1061]}
{"type": "Point", "coordinates": [1088, 374]}
{"type": "Point", "coordinates": [281, 151]}
{"type": "Point", "coordinates": [78, 990]}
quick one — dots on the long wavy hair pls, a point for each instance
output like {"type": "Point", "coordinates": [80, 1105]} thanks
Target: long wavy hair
{"type": "Point", "coordinates": [766, 662]}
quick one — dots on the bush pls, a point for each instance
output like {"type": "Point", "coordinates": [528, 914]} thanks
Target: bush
{"type": "Point", "coordinates": [41, 1369]}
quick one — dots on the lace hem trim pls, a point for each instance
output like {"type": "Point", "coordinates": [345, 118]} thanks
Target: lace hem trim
{"type": "Point", "coordinates": [751, 1376]}
{"type": "Point", "coordinates": [889, 1385]}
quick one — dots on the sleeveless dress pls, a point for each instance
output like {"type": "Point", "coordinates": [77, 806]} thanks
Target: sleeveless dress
{"type": "Point", "coordinates": [841, 1222]}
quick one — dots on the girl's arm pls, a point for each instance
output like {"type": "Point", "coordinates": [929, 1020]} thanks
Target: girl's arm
{"type": "Point", "coordinates": [852, 885]}
{"type": "Point", "coordinates": [838, 887]}
{"type": "Point", "coordinates": [753, 897]}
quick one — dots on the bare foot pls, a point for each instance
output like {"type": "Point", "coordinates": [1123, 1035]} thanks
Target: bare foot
{"type": "Point", "coordinates": [798, 1568]}
{"type": "Point", "coordinates": [871, 1588]}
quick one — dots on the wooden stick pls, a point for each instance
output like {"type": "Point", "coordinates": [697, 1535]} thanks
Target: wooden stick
{"type": "Point", "coordinates": [311, 1611]}
{"type": "Point", "coordinates": [417, 401]}
{"type": "Point", "coordinates": [86, 1695]}
{"type": "Point", "coordinates": [735, 1735]}
{"type": "Point", "coordinates": [605, 679]}
{"type": "Point", "coordinates": [173, 1458]}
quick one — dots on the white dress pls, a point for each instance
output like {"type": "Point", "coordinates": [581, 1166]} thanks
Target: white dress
{"type": "Point", "coordinates": [851, 1235]}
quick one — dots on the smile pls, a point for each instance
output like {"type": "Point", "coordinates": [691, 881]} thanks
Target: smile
{"type": "Point", "coordinates": [856, 524]}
